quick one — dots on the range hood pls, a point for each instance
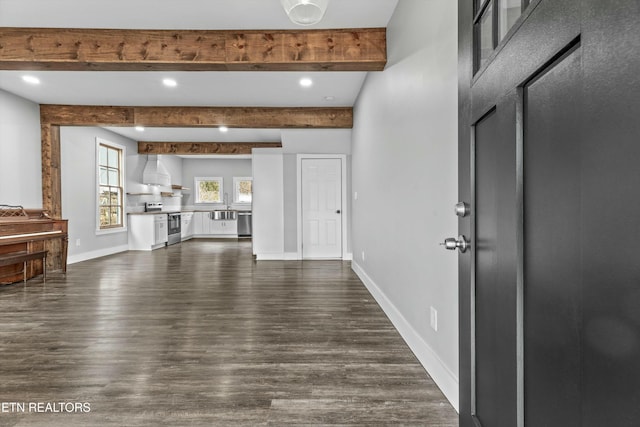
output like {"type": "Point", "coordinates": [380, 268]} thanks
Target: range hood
{"type": "Point", "coordinates": [155, 173]}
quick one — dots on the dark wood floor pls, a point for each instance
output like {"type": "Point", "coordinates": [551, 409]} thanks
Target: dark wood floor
{"type": "Point", "coordinates": [200, 334]}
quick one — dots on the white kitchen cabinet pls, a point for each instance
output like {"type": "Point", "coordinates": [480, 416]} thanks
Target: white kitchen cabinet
{"type": "Point", "coordinates": [186, 225]}
{"type": "Point", "coordinates": [204, 226]}
{"type": "Point", "coordinates": [161, 229]}
{"type": "Point", "coordinates": [201, 224]}
{"type": "Point", "coordinates": [223, 227]}
{"type": "Point", "coordinates": [147, 231]}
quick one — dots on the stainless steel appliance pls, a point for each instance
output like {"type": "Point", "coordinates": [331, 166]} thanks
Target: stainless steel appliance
{"type": "Point", "coordinates": [153, 206]}
{"type": "Point", "coordinates": [244, 224]}
{"type": "Point", "coordinates": [174, 228]}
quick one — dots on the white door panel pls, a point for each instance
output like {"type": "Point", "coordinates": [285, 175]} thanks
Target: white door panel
{"type": "Point", "coordinates": [321, 208]}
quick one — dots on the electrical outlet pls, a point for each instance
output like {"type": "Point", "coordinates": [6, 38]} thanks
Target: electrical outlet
{"type": "Point", "coordinates": [363, 255]}
{"type": "Point", "coordinates": [77, 242]}
{"type": "Point", "coordinates": [355, 195]}
{"type": "Point", "coordinates": [433, 318]}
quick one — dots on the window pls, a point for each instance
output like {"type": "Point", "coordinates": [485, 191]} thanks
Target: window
{"type": "Point", "coordinates": [492, 22]}
{"type": "Point", "coordinates": [110, 169]}
{"type": "Point", "coordinates": [242, 189]}
{"type": "Point", "coordinates": [510, 11]}
{"type": "Point", "coordinates": [208, 189]}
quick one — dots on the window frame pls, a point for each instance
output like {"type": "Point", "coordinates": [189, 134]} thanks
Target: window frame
{"type": "Point", "coordinates": [196, 195]}
{"type": "Point", "coordinates": [480, 7]}
{"type": "Point", "coordinates": [236, 189]}
{"type": "Point", "coordinates": [122, 155]}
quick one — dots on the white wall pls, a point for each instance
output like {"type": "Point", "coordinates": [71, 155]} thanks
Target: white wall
{"type": "Point", "coordinates": [226, 168]}
{"type": "Point", "coordinates": [316, 141]}
{"type": "Point", "coordinates": [20, 152]}
{"type": "Point", "coordinates": [268, 203]}
{"type": "Point", "coordinates": [78, 164]}
{"type": "Point", "coordinates": [309, 141]}
{"type": "Point", "coordinates": [404, 157]}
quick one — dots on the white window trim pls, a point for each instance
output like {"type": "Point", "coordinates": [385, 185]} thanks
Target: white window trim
{"type": "Point", "coordinates": [196, 193]}
{"type": "Point", "coordinates": [123, 177]}
{"type": "Point", "coordinates": [236, 193]}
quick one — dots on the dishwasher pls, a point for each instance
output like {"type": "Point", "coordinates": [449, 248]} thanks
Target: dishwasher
{"type": "Point", "coordinates": [244, 224]}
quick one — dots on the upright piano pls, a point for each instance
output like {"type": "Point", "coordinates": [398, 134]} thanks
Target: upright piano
{"type": "Point", "coordinates": [27, 231]}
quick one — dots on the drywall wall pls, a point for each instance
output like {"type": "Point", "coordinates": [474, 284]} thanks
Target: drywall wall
{"type": "Point", "coordinates": [290, 205]}
{"type": "Point", "coordinates": [309, 141]}
{"type": "Point", "coordinates": [404, 157]}
{"type": "Point", "coordinates": [20, 158]}
{"type": "Point", "coordinates": [268, 203]}
{"type": "Point", "coordinates": [79, 197]}
{"type": "Point", "coordinates": [316, 141]}
{"type": "Point", "coordinates": [225, 168]}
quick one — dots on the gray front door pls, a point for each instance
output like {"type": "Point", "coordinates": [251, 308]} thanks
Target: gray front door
{"type": "Point", "coordinates": [550, 163]}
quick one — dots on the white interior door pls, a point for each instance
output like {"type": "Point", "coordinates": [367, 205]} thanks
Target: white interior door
{"type": "Point", "coordinates": [322, 208]}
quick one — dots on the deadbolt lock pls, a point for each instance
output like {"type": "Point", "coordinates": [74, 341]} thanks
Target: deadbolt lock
{"type": "Point", "coordinates": [462, 209]}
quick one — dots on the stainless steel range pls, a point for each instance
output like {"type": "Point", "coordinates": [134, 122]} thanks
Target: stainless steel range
{"type": "Point", "coordinates": [174, 228]}
{"type": "Point", "coordinates": [153, 207]}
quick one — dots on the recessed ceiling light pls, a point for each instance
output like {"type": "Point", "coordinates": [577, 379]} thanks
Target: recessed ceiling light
{"type": "Point", "coordinates": [140, 128]}
{"type": "Point", "coordinates": [329, 98]}
{"type": "Point", "coordinates": [169, 82]}
{"type": "Point", "coordinates": [223, 129]}
{"type": "Point", "coordinates": [32, 80]}
{"type": "Point", "coordinates": [306, 82]}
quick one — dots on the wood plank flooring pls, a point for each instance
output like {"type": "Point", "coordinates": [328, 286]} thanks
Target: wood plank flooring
{"type": "Point", "coordinates": [199, 334]}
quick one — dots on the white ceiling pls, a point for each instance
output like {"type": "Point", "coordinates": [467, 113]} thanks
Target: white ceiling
{"type": "Point", "coordinates": [277, 89]}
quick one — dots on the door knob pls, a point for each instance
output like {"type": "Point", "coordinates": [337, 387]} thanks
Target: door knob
{"type": "Point", "coordinates": [452, 243]}
{"type": "Point", "coordinates": [338, 211]}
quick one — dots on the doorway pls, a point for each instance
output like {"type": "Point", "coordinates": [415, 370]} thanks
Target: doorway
{"type": "Point", "coordinates": [322, 206]}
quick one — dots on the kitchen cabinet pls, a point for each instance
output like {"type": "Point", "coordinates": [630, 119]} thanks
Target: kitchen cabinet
{"type": "Point", "coordinates": [201, 223]}
{"type": "Point", "coordinates": [223, 228]}
{"type": "Point", "coordinates": [186, 225]}
{"type": "Point", "coordinates": [147, 231]}
{"type": "Point", "coordinates": [161, 228]}
{"type": "Point", "coordinates": [204, 226]}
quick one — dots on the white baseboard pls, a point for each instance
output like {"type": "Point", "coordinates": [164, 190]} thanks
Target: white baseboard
{"type": "Point", "coordinates": [85, 256]}
{"type": "Point", "coordinates": [444, 378]}
{"type": "Point", "coordinates": [293, 256]}
{"type": "Point", "coordinates": [270, 257]}
{"type": "Point", "coordinates": [347, 257]}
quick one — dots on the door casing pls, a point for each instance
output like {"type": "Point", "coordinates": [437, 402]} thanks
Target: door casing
{"type": "Point", "coordinates": [345, 212]}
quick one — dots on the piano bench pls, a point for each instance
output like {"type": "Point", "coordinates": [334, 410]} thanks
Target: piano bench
{"type": "Point", "coordinates": [23, 257]}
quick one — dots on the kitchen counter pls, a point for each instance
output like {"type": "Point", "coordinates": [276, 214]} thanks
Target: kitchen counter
{"type": "Point", "coordinates": [187, 211]}
{"type": "Point", "coordinates": [213, 210]}
{"type": "Point", "coordinates": [152, 213]}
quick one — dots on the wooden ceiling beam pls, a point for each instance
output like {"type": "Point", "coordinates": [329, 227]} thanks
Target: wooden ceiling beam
{"type": "Point", "coordinates": [77, 49]}
{"type": "Point", "coordinates": [226, 148]}
{"type": "Point", "coordinates": [236, 117]}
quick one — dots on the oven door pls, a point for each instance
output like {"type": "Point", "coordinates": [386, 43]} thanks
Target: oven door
{"type": "Point", "coordinates": [174, 223]}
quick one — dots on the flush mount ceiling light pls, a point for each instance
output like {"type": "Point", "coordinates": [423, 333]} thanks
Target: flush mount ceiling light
{"type": "Point", "coordinates": [169, 83]}
{"type": "Point", "coordinates": [306, 82]}
{"type": "Point", "coordinates": [305, 12]}
{"type": "Point", "coordinates": [140, 128]}
{"type": "Point", "coordinates": [223, 129]}
{"type": "Point", "coordinates": [32, 80]}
